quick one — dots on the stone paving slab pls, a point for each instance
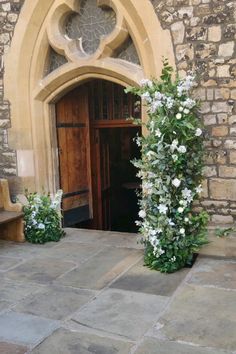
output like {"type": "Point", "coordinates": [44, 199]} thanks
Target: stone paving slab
{"type": "Point", "coordinates": [4, 305]}
{"type": "Point", "coordinates": [142, 279]}
{"type": "Point", "coordinates": [203, 316]}
{"type": "Point", "coordinates": [10, 348]}
{"type": "Point", "coordinates": [220, 246]}
{"type": "Point", "coordinates": [72, 251]}
{"type": "Point", "coordinates": [8, 262]}
{"type": "Point", "coordinates": [124, 313]}
{"type": "Point", "coordinates": [66, 342]}
{"type": "Point", "coordinates": [40, 270]}
{"type": "Point", "coordinates": [25, 250]}
{"type": "Point", "coordinates": [25, 329]}
{"type": "Point", "coordinates": [14, 291]}
{"type": "Point", "coordinates": [55, 302]}
{"type": "Point", "coordinates": [117, 239]}
{"type": "Point", "coordinates": [155, 346]}
{"type": "Point", "coordinates": [101, 269]}
{"type": "Point", "coordinates": [215, 272]}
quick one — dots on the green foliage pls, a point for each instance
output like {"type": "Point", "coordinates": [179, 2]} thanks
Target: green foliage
{"type": "Point", "coordinates": [42, 218]}
{"type": "Point", "coordinates": [224, 232]}
{"type": "Point", "coordinates": [171, 172]}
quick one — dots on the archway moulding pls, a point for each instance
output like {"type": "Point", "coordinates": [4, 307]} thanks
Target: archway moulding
{"type": "Point", "coordinates": [32, 96]}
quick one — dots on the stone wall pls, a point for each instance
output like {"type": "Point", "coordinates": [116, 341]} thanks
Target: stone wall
{"type": "Point", "coordinates": [9, 11]}
{"type": "Point", "coordinates": [203, 34]}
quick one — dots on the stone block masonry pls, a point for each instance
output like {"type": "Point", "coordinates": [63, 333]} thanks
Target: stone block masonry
{"type": "Point", "coordinates": [204, 33]}
{"type": "Point", "coordinates": [9, 12]}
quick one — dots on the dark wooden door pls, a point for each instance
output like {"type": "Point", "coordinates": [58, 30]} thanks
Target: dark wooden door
{"type": "Point", "coordinates": [72, 121]}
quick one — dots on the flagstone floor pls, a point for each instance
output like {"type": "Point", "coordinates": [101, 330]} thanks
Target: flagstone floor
{"type": "Point", "coordinates": [90, 293]}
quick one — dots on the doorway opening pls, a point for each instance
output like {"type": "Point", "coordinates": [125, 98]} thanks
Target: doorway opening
{"type": "Point", "coordinates": [96, 145]}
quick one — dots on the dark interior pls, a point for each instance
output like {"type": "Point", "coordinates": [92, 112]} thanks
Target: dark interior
{"type": "Point", "coordinates": [123, 180]}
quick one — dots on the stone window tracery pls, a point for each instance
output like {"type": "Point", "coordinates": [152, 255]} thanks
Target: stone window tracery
{"type": "Point", "coordinates": [54, 61]}
{"type": "Point", "coordinates": [90, 24]}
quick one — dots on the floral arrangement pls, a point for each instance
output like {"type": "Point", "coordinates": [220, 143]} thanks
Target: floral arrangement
{"type": "Point", "coordinates": [171, 172]}
{"type": "Point", "coordinates": [42, 218]}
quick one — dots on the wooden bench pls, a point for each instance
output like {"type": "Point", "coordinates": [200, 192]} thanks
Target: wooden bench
{"type": "Point", "coordinates": [11, 216]}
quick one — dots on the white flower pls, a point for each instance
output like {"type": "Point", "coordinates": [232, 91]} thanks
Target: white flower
{"type": "Point", "coordinates": [180, 209]}
{"type": "Point", "coordinates": [142, 214]}
{"type": "Point", "coordinates": [198, 189]}
{"type": "Point", "coordinates": [146, 96]}
{"type": "Point", "coordinates": [178, 116]}
{"type": "Point", "coordinates": [162, 208]}
{"type": "Point", "coordinates": [170, 102]}
{"type": "Point", "coordinates": [158, 132]}
{"type": "Point", "coordinates": [186, 111]}
{"type": "Point", "coordinates": [173, 259]}
{"type": "Point", "coordinates": [155, 105]}
{"type": "Point", "coordinates": [176, 182]}
{"type": "Point", "coordinates": [186, 219]}
{"type": "Point", "coordinates": [41, 226]}
{"type": "Point", "coordinates": [158, 96]}
{"type": "Point", "coordinates": [146, 82]}
{"type": "Point", "coordinates": [181, 109]}
{"type": "Point", "coordinates": [182, 231]}
{"type": "Point", "coordinates": [174, 157]}
{"type": "Point", "coordinates": [189, 103]}
{"type": "Point", "coordinates": [174, 145]}
{"type": "Point", "coordinates": [187, 194]}
{"type": "Point", "coordinates": [182, 149]}
{"type": "Point", "coordinates": [198, 132]}
{"type": "Point", "coordinates": [171, 223]}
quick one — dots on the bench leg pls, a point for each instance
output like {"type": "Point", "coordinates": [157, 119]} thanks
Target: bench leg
{"type": "Point", "coordinates": [14, 231]}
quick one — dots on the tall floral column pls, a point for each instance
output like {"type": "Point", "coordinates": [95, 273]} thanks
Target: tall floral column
{"type": "Point", "coordinates": [171, 173]}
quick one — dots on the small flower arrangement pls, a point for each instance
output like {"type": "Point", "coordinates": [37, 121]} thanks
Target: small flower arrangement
{"type": "Point", "coordinates": [171, 172]}
{"type": "Point", "coordinates": [42, 218]}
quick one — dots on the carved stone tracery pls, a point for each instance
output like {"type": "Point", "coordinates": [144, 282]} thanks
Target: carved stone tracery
{"type": "Point", "coordinates": [88, 30]}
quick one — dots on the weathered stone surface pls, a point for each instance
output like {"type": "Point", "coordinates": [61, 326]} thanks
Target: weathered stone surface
{"type": "Point", "coordinates": [222, 188]}
{"type": "Point", "coordinates": [227, 171]}
{"type": "Point", "coordinates": [73, 251]}
{"type": "Point", "coordinates": [178, 31]}
{"type": "Point", "coordinates": [124, 313]}
{"type": "Point", "coordinates": [10, 348]}
{"type": "Point", "coordinates": [24, 329]}
{"type": "Point", "coordinates": [222, 219]}
{"type": "Point", "coordinates": [223, 71]}
{"type": "Point", "coordinates": [214, 33]}
{"type": "Point", "coordinates": [194, 317]}
{"type": "Point", "coordinates": [142, 279]}
{"type": "Point", "coordinates": [16, 290]}
{"type": "Point", "coordinates": [55, 302]}
{"type": "Point", "coordinates": [214, 272]}
{"type": "Point", "coordinates": [40, 270]}
{"type": "Point", "coordinates": [226, 49]}
{"type": "Point", "coordinates": [156, 346]}
{"type": "Point", "coordinates": [219, 107]}
{"type": "Point", "coordinates": [102, 269]}
{"type": "Point", "coordinates": [209, 171]}
{"type": "Point", "coordinates": [220, 131]}
{"type": "Point", "coordinates": [232, 157]}
{"type": "Point", "coordinates": [66, 342]}
{"type": "Point", "coordinates": [7, 262]}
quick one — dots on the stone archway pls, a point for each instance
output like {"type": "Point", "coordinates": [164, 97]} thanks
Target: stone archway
{"type": "Point", "coordinates": [32, 95]}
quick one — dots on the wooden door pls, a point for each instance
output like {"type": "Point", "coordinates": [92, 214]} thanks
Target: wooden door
{"type": "Point", "coordinates": [72, 123]}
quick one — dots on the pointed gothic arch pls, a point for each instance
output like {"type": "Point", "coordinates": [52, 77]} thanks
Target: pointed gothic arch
{"type": "Point", "coordinates": [32, 94]}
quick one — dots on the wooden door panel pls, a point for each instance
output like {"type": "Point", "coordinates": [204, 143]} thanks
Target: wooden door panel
{"type": "Point", "coordinates": [74, 156]}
